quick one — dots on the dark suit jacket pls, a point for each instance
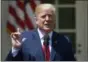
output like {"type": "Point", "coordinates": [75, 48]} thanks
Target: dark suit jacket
{"type": "Point", "coordinates": [31, 49]}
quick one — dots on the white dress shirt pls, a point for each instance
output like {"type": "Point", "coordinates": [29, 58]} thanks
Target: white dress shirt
{"type": "Point", "coordinates": [41, 35]}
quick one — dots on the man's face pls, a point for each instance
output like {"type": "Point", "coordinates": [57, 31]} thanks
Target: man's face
{"type": "Point", "coordinates": [45, 20]}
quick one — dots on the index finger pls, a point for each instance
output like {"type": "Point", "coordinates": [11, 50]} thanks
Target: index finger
{"type": "Point", "coordinates": [19, 30]}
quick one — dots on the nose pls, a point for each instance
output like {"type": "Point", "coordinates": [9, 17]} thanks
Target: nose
{"type": "Point", "coordinates": [47, 17]}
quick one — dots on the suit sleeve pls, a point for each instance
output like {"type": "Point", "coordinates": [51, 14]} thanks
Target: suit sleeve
{"type": "Point", "coordinates": [69, 55]}
{"type": "Point", "coordinates": [18, 57]}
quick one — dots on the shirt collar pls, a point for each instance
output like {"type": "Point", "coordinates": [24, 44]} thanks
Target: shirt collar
{"type": "Point", "coordinates": [41, 34]}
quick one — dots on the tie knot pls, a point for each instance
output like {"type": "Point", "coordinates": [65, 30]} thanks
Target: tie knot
{"type": "Point", "coordinates": [46, 40]}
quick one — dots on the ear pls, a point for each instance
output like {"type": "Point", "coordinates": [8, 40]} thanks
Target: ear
{"type": "Point", "coordinates": [35, 20]}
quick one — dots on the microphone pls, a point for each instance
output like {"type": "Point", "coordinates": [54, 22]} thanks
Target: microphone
{"type": "Point", "coordinates": [46, 40]}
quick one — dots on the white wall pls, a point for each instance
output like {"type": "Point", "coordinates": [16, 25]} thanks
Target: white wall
{"type": "Point", "coordinates": [5, 40]}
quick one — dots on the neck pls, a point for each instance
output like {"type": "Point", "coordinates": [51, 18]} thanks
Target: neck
{"type": "Point", "coordinates": [44, 31]}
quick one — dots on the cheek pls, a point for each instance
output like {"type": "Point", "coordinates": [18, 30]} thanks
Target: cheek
{"type": "Point", "coordinates": [39, 23]}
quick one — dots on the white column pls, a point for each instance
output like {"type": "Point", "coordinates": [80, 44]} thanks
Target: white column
{"type": "Point", "coordinates": [82, 30]}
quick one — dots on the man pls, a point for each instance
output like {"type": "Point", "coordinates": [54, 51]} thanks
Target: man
{"type": "Point", "coordinates": [43, 43]}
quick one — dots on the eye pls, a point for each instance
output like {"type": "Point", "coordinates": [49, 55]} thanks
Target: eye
{"type": "Point", "coordinates": [50, 15]}
{"type": "Point", "coordinates": [43, 16]}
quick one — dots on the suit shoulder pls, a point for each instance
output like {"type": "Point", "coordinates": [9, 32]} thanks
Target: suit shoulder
{"type": "Point", "coordinates": [62, 37]}
{"type": "Point", "coordinates": [27, 33]}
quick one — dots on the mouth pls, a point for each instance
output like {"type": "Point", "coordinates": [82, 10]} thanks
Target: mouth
{"type": "Point", "coordinates": [47, 25]}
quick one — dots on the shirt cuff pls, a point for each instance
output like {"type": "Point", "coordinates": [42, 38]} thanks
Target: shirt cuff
{"type": "Point", "coordinates": [14, 51]}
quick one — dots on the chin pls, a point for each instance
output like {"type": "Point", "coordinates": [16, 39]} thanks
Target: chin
{"type": "Point", "coordinates": [47, 30]}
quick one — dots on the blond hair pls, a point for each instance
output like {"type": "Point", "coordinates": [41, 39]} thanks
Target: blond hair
{"type": "Point", "coordinates": [45, 5]}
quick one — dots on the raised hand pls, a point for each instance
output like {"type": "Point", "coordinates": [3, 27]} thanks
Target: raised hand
{"type": "Point", "coordinates": [15, 37]}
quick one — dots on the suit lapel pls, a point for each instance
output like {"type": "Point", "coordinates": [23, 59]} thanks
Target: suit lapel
{"type": "Point", "coordinates": [52, 54]}
{"type": "Point", "coordinates": [39, 52]}
{"type": "Point", "coordinates": [54, 42]}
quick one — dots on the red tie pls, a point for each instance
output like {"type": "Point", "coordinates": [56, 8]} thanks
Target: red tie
{"type": "Point", "coordinates": [46, 52]}
{"type": "Point", "coordinates": [46, 47]}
